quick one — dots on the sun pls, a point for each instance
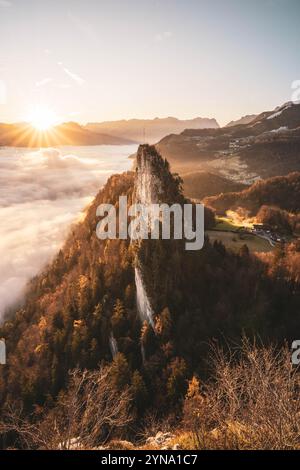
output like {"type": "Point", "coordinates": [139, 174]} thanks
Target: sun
{"type": "Point", "coordinates": [42, 118]}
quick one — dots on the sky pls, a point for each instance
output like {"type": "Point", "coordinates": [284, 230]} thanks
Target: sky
{"type": "Point", "coordinates": [96, 60]}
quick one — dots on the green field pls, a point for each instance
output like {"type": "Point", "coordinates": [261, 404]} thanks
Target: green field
{"type": "Point", "coordinates": [231, 223]}
{"type": "Point", "coordinates": [226, 223]}
{"type": "Point", "coordinates": [222, 223]}
{"type": "Point", "coordinates": [235, 241]}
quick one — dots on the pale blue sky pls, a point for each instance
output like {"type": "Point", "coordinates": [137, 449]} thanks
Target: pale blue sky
{"type": "Point", "coordinates": [101, 60]}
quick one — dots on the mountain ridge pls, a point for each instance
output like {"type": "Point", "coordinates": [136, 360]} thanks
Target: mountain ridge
{"type": "Point", "coordinates": [151, 130]}
{"type": "Point", "coordinates": [267, 146]}
{"type": "Point", "coordinates": [68, 133]}
{"type": "Point", "coordinates": [243, 120]}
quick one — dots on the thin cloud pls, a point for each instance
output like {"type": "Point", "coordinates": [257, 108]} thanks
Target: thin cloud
{"type": "Point", "coordinates": [43, 82]}
{"type": "Point", "coordinates": [76, 78]}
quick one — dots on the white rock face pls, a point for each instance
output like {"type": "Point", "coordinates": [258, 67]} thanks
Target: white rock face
{"type": "Point", "coordinates": [148, 190]}
{"type": "Point", "coordinates": [142, 300]}
{"type": "Point", "coordinates": [148, 187]}
{"type": "Point", "coordinates": [113, 345]}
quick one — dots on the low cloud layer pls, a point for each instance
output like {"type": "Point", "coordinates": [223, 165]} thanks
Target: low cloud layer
{"type": "Point", "coordinates": [41, 193]}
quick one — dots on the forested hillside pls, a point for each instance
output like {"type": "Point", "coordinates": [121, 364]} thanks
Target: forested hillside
{"type": "Point", "coordinates": [280, 191]}
{"type": "Point", "coordinates": [81, 312]}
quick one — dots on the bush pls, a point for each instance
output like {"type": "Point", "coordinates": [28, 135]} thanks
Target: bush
{"type": "Point", "coordinates": [252, 401]}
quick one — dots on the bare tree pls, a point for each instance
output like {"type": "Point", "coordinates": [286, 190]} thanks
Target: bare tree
{"type": "Point", "coordinates": [252, 401]}
{"type": "Point", "coordinates": [85, 416]}
{"type": "Point", "coordinates": [21, 432]}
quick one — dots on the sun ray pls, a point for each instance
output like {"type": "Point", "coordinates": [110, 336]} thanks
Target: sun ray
{"type": "Point", "coordinates": [25, 132]}
{"type": "Point", "coordinates": [60, 135]}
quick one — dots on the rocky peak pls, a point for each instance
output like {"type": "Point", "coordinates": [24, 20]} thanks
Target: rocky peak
{"type": "Point", "coordinates": [154, 182]}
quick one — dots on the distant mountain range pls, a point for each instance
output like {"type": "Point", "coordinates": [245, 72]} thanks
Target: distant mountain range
{"type": "Point", "coordinates": [267, 146]}
{"type": "Point", "coordinates": [103, 133]}
{"type": "Point", "coordinates": [150, 130]}
{"type": "Point", "coordinates": [70, 133]}
{"type": "Point", "coordinates": [244, 150]}
{"type": "Point", "coordinates": [243, 120]}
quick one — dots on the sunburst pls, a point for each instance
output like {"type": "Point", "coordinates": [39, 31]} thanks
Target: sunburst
{"type": "Point", "coordinates": [42, 118]}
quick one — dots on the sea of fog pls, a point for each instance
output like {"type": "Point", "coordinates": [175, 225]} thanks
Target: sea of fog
{"type": "Point", "coordinates": [41, 193]}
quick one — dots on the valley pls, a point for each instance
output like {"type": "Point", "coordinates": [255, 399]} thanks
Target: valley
{"type": "Point", "coordinates": [267, 146]}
